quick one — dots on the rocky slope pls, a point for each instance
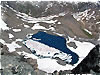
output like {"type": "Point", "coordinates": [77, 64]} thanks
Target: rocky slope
{"type": "Point", "coordinates": [79, 19]}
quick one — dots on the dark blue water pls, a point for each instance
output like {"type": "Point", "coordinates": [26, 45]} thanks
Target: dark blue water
{"type": "Point", "coordinates": [56, 42]}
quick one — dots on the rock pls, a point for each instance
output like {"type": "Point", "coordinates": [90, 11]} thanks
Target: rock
{"type": "Point", "coordinates": [61, 62]}
{"type": "Point", "coordinates": [4, 50]}
{"type": "Point", "coordinates": [55, 72]}
{"type": "Point", "coordinates": [22, 58]}
{"type": "Point", "coordinates": [12, 66]}
{"type": "Point", "coordinates": [72, 44]}
{"type": "Point", "coordinates": [60, 72]}
{"type": "Point", "coordinates": [15, 69]}
{"type": "Point", "coordinates": [32, 62]}
{"type": "Point", "coordinates": [1, 45]}
{"type": "Point", "coordinates": [6, 72]}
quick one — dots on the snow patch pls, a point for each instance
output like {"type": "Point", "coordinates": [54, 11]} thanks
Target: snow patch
{"type": "Point", "coordinates": [59, 22]}
{"type": "Point", "coordinates": [83, 48]}
{"type": "Point", "coordinates": [50, 65]}
{"type": "Point", "coordinates": [37, 26]}
{"type": "Point", "coordinates": [11, 46]}
{"type": "Point", "coordinates": [16, 30]}
{"type": "Point", "coordinates": [11, 35]}
{"type": "Point", "coordinates": [26, 26]}
{"type": "Point", "coordinates": [62, 14]}
{"type": "Point", "coordinates": [2, 41]}
{"type": "Point", "coordinates": [99, 38]}
{"type": "Point", "coordinates": [98, 22]}
{"type": "Point", "coordinates": [3, 25]}
{"type": "Point", "coordinates": [52, 28]}
{"type": "Point", "coordinates": [36, 39]}
{"type": "Point", "coordinates": [50, 21]}
{"type": "Point", "coordinates": [58, 34]}
{"type": "Point", "coordinates": [84, 15]}
{"type": "Point", "coordinates": [19, 39]}
{"type": "Point", "coordinates": [88, 31]}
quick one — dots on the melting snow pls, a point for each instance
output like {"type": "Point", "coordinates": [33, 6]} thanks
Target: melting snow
{"type": "Point", "coordinates": [50, 65]}
{"type": "Point", "coordinates": [42, 49]}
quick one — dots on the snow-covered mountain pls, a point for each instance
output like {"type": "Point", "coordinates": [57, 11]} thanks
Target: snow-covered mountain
{"type": "Point", "coordinates": [78, 23]}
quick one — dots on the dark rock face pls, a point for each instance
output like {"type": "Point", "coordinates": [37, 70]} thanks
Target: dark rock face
{"type": "Point", "coordinates": [4, 49]}
{"type": "Point", "coordinates": [91, 62]}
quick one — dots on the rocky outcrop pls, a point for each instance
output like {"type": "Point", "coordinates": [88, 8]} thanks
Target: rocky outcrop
{"type": "Point", "coordinates": [12, 63]}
